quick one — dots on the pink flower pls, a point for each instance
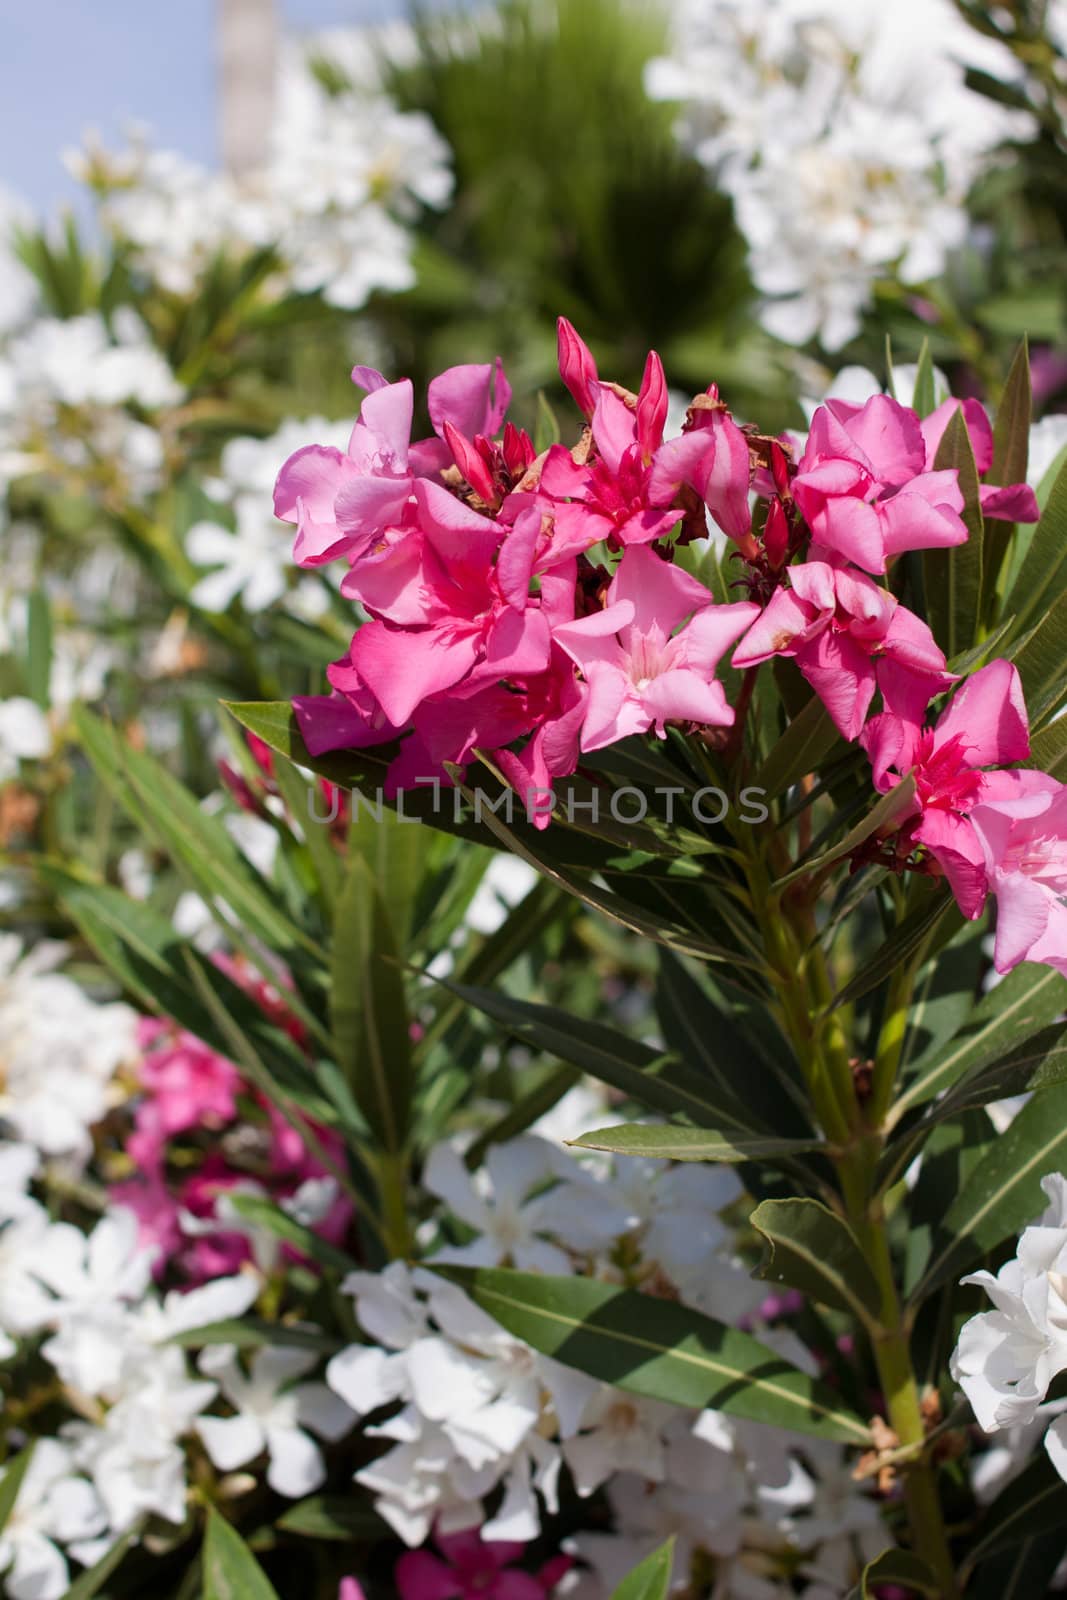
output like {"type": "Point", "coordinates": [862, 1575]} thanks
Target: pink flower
{"type": "Point", "coordinates": [612, 496]}
{"type": "Point", "coordinates": [577, 367]}
{"type": "Point", "coordinates": [985, 725]}
{"type": "Point", "coordinates": [640, 672]}
{"type": "Point", "coordinates": [711, 458]}
{"type": "Point", "coordinates": [848, 638]}
{"type": "Point", "coordinates": [467, 1568]}
{"type": "Point", "coordinates": [342, 501]}
{"type": "Point", "coordinates": [350, 1590]}
{"type": "Point", "coordinates": [864, 488]}
{"type": "Point", "coordinates": [1021, 826]}
{"type": "Point", "coordinates": [1013, 502]}
{"type": "Point", "coordinates": [187, 1085]}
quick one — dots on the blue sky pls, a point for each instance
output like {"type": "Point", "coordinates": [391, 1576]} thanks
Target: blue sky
{"type": "Point", "coordinates": [69, 64]}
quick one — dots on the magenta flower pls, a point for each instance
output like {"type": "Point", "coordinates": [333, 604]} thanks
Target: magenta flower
{"type": "Point", "coordinates": [350, 1590]}
{"type": "Point", "coordinates": [864, 488]}
{"type": "Point", "coordinates": [1013, 502]}
{"type": "Point", "coordinates": [342, 501]}
{"type": "Point", "coordinates": [642, 673]}
{"type": "Point", "coordinates": [712, 458]}
{"type": "Point", "coordinates": [468, 1568]}
{"type": "Point", "coordinates": [1021, 825]}
{"type": "Point", "coordinates": [848, 637]}
{"type": "Point", "coordinates": [985, 725]}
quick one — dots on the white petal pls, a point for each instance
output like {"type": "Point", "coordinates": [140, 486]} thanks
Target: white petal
{"type": "Point", "coordinates": [322, 1412]}
{"type": "Point", "coordinates": [231, 1442]}
{"type": "Point", "coordinates": [296, 1464]}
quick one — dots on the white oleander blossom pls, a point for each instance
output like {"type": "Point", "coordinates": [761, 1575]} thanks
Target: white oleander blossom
{"type": "Point", "coordinates": [1006, 1359]}
{"type": "Point", "coordinates": [59, 1051]}
{"type": "Point", "coordinates": [845, 134]}
{"type": "Point", "coordinates": [253, 559]}
{"type": "Point", "coordinates": [344, 177]}
{"type": "Point", "coordinates": [54, 1507]}
{"type": "Point", "coordinates": [78, 394]}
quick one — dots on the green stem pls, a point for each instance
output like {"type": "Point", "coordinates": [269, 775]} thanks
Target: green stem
{"type": "Point", "coordinates": [393, 1191]}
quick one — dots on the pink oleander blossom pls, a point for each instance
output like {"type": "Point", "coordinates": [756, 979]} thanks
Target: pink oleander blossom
{"type": "Point", "coordinates": [984, 725]}
{"type": "Point", "coordinates": [712, 458]}
{"type": "Point", "coordinates": [864, 487]}
{"type": "Point", "coordinates": [1012, 502]}
{"type": "Point", "coordinates": [1021, 825]}
{"type": "Point", "coordinates": [849, 638]}
{"type": "Point", "coordinates": [470, 1568]}
{"type": "Point", "coordinates": [642, 668]}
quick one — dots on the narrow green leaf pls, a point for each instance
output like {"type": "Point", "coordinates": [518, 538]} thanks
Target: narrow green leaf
{"type": "Point", "coordinates": [902, 1569]}
{"type": "Point", "coordinates": [368, 1008]}
{"type": "Point", "coordinates": [804, 746]}
{"type": "Point", "coordinates": [335, 1517]}
{"type": "Point", "coordinates": [39, 648]}
{"type": "Point", "coordinates": [1030, 1504]}
{"type": "Point", "coordinates": [231, 1571]}
{"type": "Point", "coordinates": [1042, 577]}
{"type": "Point", "coordinates": [305, 806]}
{"type": "Point", "coordinates": [651, 1580]}
{"type": "Point", "coordinates": [952, 1153]}
{"type": "Point", "coordinates": [924, 399]}
{"type": "Point", "coordinates": [690, 1144]}
{"type": "Point", "coordinates": [808, 1247]}
{"type": "Point", "coordinates": [952, 577]}
{"type": "Point", "coordinates": [90, 1582]}
{"type": "Point", "coordinates": [1003, 1194]}
{"type": "Point", "coordinates": [249, 1333]}
{"type": "Point", "coordinates": [546, 431]}
{"type": "Point", "coordinates": [263, 1212]}
{"type": "Point", "coordinates": [1029, 998]}
{"type": "Point", "coordinates": [645, 1075]}
{"type": "Point", "coordinates": [14, 1472]}
{"type": "Point", "coordinates": [657, 1348]}
{"type": "Point", "coordinates": [882, 818]}
{"type": "Point", "coordinates": [395, 853]}
{"type": "Point", "coordinates": [1011, 452]}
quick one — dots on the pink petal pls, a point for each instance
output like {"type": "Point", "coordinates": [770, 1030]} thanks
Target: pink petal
{"type": "Point", "coordinates": [842, 676]}
{"type": "Point", "coordinates": [954, 845]}
{"type": "Point", "coordinates": [910, 521]}
{"type": "Point", "coordinates": [1014, 502]}
{"type": "Point", "coordinates": [610, 713]}
{"type": "Point", "coordinates": [978, 428]}
{"type": "Point", "coordinates": [305, 493]}
{"type": "Point", "coordinates": [562, 477]}
{"type": "Point", "coordinates": [418, 1575]}
{"type": "Point", "coordinates": [891, 744]}
{"type": "Point", "coordinates": [329, 722]}
{"type": "Point", "coordinates": [614, 427]}
{"type": "Point", "coordinates": [514, 564]}
{"type": "Point", "coordinates": [785, 619]}
{"type": "Point", "coordinates": [989, 714]}
{"type": "Point", "coordinates": [577, 367]}
{"type": "Point", "coordinates": [514, 1585]}
{"type": "Point", "coordinates": [465, 541]}
{"type": "Point", "coordinates": [660, 592]}
{"type": "Point", "coordinates": [704, 640]}
{"type": "Point", "coordinates": [852, 528]}
{"type": "Point", "coordinates": [518, 645]}
{"type": "Point", "coordinates": [474, 398]}
{"type": "Point", "coordinates": [366, 505]}
{"type": "Point", "coordinates": [714, 461]}
{"type": "Point", "coordinates": [684, 696]}
{"type": "Point", "coordinates": [1022, 917]}
{"type": "Point", "coordinates": [383, 431]}
{"type": "Point", "coordinates": [593, 638]}
{"type": "Point", "coordinates": [890, 437]}
{"type": "Point", "coordinates": [652, 405]}
{"type": "Point", "coordinates": [403, 667]}
{"type": "Point", "coordinates": [368, 378]}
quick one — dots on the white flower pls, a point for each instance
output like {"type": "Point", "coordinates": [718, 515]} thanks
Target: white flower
{"type": "Point", "coordinates": [272, 1415]}
{"type": "Point", "coordinates": [53, 1507]}
{"type": "Point", "coordinates": [619, 1433]}
{"type": "Point", "coordinates": [516, 1216]}
{"type": "Point", "coordinates": [1047, 441]}
{"type": "Point", "coordinates": [24, 734]}
{"type": "Point", "coordinates": [93, 1279]}
{"type": "Point", "coordinates": [1006, 1359]}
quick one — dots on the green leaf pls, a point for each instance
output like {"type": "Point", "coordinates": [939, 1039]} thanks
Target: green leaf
{"type": "Point", "coordinates": [1028, 999]}
{"type": "Point", "coordinates": [396, 853]}
{"type": "Point", "coordinates": [91, 1581]}
{"type": "Point", "coordinates": [651, 1580]}
{"type": "Point", "coordinates": [546, 431]}
{"type": "Point", "coordinates": [1032, 1503]}
{"type": "Point", "coordinates": [368, 1009]}
{"type": "Point", "coordinates": [10, 1484]}
{"type": "Point", "coordinates": [1042, 577]}
{"type": "Point", "coordinates": [231, 1571]}
{"type": "Point", "coordinates": [924, 399]}
{"type": "Point", "coordinates": [645, 1075]}
{"type": "Point", "coordinates": [882, 818]}
{"type": "Point", "coordinates": [39, 648]}
{"type": "Point", "coordinates": [1011, 452]}
{"type": "Point", "coordinates": [902, 1568]}
{"type": "Point", "coordinates": [689, 1144]}
{"type": "Point", "coordinates": [808, 1247]}
{"type": "Point", "coordinates": [249, 1333]}
{"type": "Point", "coordinates": [335, 1517]}
{"type": "Point", "coordinates": [805, 745]}
{"type": "Point", "coordinates": [1019, 1574]}
{"type": "Point", "coordinates": [657, 1348]}
{"type": "Point", "coordinates": [1038, 1064]}
{"type": "Point", "coordinates": [952, 577]}
{"type": "Point", "coordinates": [952, 1153]}
{"type": "Point", "coordinates": [303, 800]}
{"type": "Point", "coordinates": [1003, 1194]}
{"type": "Point", "coordinates": [264, 1213]}
{"type": "Point", "coordinates": [198, 843]}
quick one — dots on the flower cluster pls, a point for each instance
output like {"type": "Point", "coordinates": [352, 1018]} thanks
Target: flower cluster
{"type": "Point", "coordinates": [1006, 1359]}
{"type": "Point", "coordinates": [845, 135]}
{"type": "Point", "coordinates": [477, 1415]}
{"type": "Point", "coordinates": [345, 175]}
